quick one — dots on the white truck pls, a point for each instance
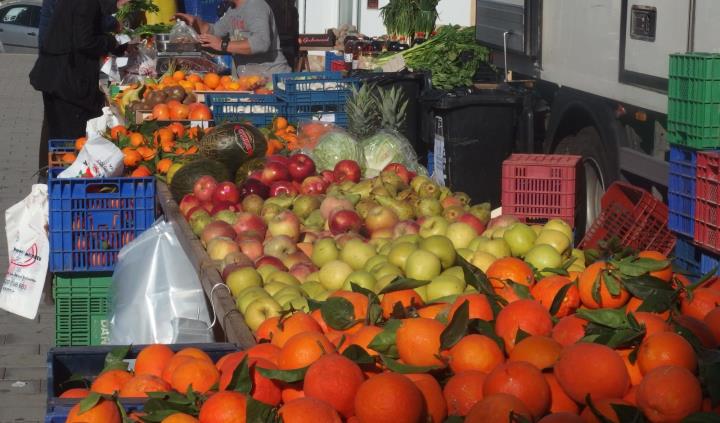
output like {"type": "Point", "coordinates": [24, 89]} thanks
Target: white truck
{"type": "Point", "coordinates": [599, 71]}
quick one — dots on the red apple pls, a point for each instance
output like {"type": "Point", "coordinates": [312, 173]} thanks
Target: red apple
{"type": "Point", "coordinates": [226, 192]}
{"type": "Point", "coordinates": [208, 206]}
{"type": "Point", "coordinates": [400, 170]}
{"type": "Point", "coordinates": [204, 188]}
{"type": "Point", "coordinates": [188, 202]}
{"type": "Point", "coordinates": [347, 170]}
{"type": "Point", "coordinates": [249, 225]}
{"type": "Point", "coordinates": [380, 217]}
{"type": "Point", "coordinates": [313, 185]}
{"type": "Point", "coordinates": [276, 158]}
{"type": "Point", "coordinates": [271, 261]}
{"type": "Point", "coordinates": [216, 229]}
{"type": "Point", "coordinates": [273, 172]}
{"type": "Point", "coordinates": [254, 186]}
{"type": "Point", "coordinates": [384, 233]}
{"type": "Point", "coordinates": [194, 210]}
{"type": "Point", "coordinates": [295, 258]}
{"type": "Point", "coordinates": [300, 167]}
{"type": "Point", "coordinates": [328, 176]}
{"type": "Point", "coordinates": [406, 227]}
{"type": "Point", "coordinates": [472, 221]}
{"type": "Point", "coordinates": [330, 204]}
{"type": "Point", "coordinates": [283, 188]}
{"type": "Point", "coordinates": [302, 270]}
{"type": "Point", "coordinates": [343, 221]}
{"type": "Point", "coordinates": [255, 174]}
{"type": "Point", "coordinates": [252, 248]}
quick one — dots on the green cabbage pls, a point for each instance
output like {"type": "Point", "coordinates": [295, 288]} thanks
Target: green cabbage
{"type": "Point", "coordinates": [384, 148]}
{"type": "Point", "coordinates": [334, 147]}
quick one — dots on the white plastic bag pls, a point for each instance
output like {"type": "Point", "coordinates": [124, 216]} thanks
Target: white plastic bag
{"type": "Point", "coordinates": [99, 158]}
{"type": "Point", "coordinates": [29, 251]}
{"type": "Point", "coordinates": [97, 127]}
{"type": "Point", "coordinates": [156, 293]}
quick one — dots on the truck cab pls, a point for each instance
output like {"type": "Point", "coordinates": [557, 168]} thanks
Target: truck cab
{"type": "Point", "coordinates": [599, 73]}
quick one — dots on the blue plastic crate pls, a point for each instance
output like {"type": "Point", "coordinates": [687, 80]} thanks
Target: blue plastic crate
{"type": "Point", "coordinates": [688, 256]}
{"type": "Point", "coordinates": [258, 109]}
{"type": "Point", "coordinates": [329, 111]}
{"type": "Point", "coordinates": [56, 149]}
{"type": "Point", "coordinates": [87, 362]}
{"type": "Point", "coordinates": [708, 262]}
{"type": "Point", "coordinates": [59, 414]}
{"type": "Point", "coordinates": [91, 219]}
{"type": "Point", "coordinates": [206, 9]}
{"type": "Point", "coordinates": [681, 190]}
{"type": "Point", "coordinates": [304, 87]}
{"type": "Point", "coordinates": [332, 57]}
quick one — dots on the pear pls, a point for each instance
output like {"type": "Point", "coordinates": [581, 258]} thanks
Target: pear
{"type": "Point", "coordinates": [428, 207]}
{"type": "Point", "coordinates": [403, 210]}
{"type": "Point", "coordinates": [283, 201]}
{"type": "Point", "coordinates": [362, 188]}
{"type": "Point", "coordinates": [364, 206]}
{"type": "Point", "coordinates": [418, 181]}
{"type": "Point", "coordinates": [430, 191]}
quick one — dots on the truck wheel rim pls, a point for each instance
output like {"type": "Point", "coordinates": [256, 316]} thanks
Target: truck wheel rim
{"type": "Point", "coordinates": [594, 189]}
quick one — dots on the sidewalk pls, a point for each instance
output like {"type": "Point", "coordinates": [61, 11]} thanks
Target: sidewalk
{"type": "Point", "coordinates": [23, 343]}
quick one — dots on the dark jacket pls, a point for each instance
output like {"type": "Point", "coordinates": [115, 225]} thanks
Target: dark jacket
{"type": "Point", "coordinates": [68, 65]}
{"type": "Point", "coordinates": [48, 6]}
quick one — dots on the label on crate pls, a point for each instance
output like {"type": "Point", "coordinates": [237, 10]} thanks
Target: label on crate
{"type": "Point", "coordinates": [327, 117]}
{"type": "Point", "coordinates": [438, 173]}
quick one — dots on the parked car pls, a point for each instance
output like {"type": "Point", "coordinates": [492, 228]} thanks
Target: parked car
{"type": "Point", "coordinates": [19, 21]}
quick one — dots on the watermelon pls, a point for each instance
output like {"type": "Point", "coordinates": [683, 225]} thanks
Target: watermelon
{"type": "Point", "coordinates": [232, 144]}
{"type": "Point", "coordinates": [247, 168]}
{"type": "Point", "coordinates": [184, 179]}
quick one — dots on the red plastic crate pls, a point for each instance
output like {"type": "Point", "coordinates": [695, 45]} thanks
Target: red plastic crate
{"type": "Point", "coordinates": [707, 201]}
{"type": "Point", "coordinates": [540, 187]}
{"type": "Point", "coordinates": [636, 218]}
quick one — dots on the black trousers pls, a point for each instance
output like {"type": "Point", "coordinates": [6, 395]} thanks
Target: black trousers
{"type": "Point", "coordinates": [62, 120]}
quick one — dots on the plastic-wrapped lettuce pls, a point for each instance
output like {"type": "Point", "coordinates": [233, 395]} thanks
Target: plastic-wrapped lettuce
{"type": "Point", "coordinates": [385, 147]}
{"type": "Point", "coordinates": [335, 146]}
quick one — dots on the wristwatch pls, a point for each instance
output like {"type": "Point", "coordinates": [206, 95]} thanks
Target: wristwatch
{"type": "Point", "coordinates": [224, 43]}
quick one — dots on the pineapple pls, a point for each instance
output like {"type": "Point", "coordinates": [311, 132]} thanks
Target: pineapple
{"type": "Point", "coordinates": [362, 112]}
{"type": "Point", "coordinates": [392, 104]}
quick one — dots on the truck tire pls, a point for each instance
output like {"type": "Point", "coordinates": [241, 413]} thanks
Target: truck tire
{"type": "Point", "coordinates": [594, 179]}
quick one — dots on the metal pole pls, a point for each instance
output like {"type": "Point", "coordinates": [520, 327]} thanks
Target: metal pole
{"type": "Point", "coordinates": [505, 49]}
{"type": "Point", "coordinates": [691, 27]}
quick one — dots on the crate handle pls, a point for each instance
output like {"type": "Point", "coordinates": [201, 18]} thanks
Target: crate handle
{"type": "Point", "coordinates": [103, 188]}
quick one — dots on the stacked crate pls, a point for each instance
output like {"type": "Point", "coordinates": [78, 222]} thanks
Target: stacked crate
{"type": "Point", "coordinates": [314, 95]}
{"type": "Point", "coordinates": [694, 134]}
{"type": "Point", "coordinates": [90, 220]}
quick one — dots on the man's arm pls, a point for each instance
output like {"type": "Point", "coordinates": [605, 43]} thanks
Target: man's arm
{"type": "Point", "coordinates": [257, 23]}
{"type": "Point", "coordinates": [86, 41]}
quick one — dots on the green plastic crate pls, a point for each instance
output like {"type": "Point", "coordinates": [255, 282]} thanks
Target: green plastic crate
{"type": "Point", "coordinates": [694, 114]}
{"type": "Point", "coordinates": [81, 309]}
{"type": "Point", "coordinates": [695, 65]}
{"type": "Point", "coordinates": [693, 141]}
{"type": "Point", "coordinates": [692, 89]}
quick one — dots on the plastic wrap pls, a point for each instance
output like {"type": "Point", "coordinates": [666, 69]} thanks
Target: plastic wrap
{"type": "Point", "coordinates": [183, 33]}
{"type": "Point", "coordinates": [334, 146]}
{"type": "Point", "coordinates": [156, 293]}
{"type": "Point", "coordinates": [310, 132]}
{"type": "Point", "coordinates": [142, 63]}
{"type": "Point", "coordinates": [385, 147]}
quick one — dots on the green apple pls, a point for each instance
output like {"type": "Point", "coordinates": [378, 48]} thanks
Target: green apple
{"type": "Point", "coordinates": [537, 229]}
{"type": "Point", "coordinates": [387, 269]}
{"type": "Point", "coordinates": [382, 282]}
{"type": "Point", "coordinates": [579, 256]}
{"type": "Point", "coordinates": [460, 234]}
{"type": "Point", "coordinates": [422, 265]}
{"type": "Point", "coordinates": [560, 225]}
{"type": "Point", "coordinates": [273, 288]}
{"type": "Point", "coordinates": [324, 251]}
{"type": "Point", "coordinates": [242, 278]}
{"type": "Point", "coordinates": [312, 289]}
{"type": "Point", "coordinates": [482, 260]}
{"type": "Point", "coordinates": [444, 286]}
{"type": "Point", "coordinates": [499, 233]}
{"type": "Point", "coordinates": [411, 238]}
{"type": "Point", "coordinates": [374, 262]}
{"type": "Point", "coordinates": [356, 253]}
{"type": "Point", "coordinates": [477, 242]}
{"type": "Point", "coordinates": [466, 253]}
{"type": "Point", "coordinates": [521, 238]}
{"type": "Point", "coordinates": [497, 247]}
{"type": "Point", "coordinates": [385, 249]}
{"type": "Point", "coordinates": [361, 278]}
{"type": "Point", "coordinates": [297, 303]}
{"type": "Point", "coordinates": [378, 243]}
{"type": "Point", "coordinates": [324, 295]}
{"type": "Point", "coordinates": [422, 292]}
{"type": "Point", "coordinates": [266, 270]}
{"type": "Point", "coordinates": [456, 271]}
{"type": "Point", "coordinates": [282, 277]}
{"type": "Point", "coordinates": [489, 232]}
{"type": "Point", "coordinates": [543, 256]}
{"type": "Point", "coordinates": [400, 252]}
{"type": "Point", "coordinates": [259, 311]}
{"type": "Point", "coordinates": [334, 273]}
{"type": "Point", "coordinates": [555, 239]}
{"type": "Point", "coordinates": [313, 277]}
{"type": "Point", "coordinates": [248, 295]}
{"type": "Point", "coordinates": [433, 225]}
{"type": "Point", "coordinates": [303, 205]}
{"type": "Point", "coordinates": [442, 247]}
{"type": "Point", "coordinates": [290, 289]}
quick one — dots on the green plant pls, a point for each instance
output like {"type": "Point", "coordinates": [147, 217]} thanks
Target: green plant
{"type": "Point", "coordinates": [406, 17]}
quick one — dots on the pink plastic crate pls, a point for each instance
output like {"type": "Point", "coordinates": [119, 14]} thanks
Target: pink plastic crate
{"type": "Point", "coordinates": [707, 201]}
{"type": "Point", "coordinates": [540, 187]}
{"type": "Point", "coordinates": [634, 217]}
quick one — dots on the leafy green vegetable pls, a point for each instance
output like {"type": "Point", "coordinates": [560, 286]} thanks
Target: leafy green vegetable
{"type": "Point", "coordinates": [386, 147]}
{"type": "Point", "coordinates": [334, 147]}
{"type": "Point", "coordinates": [406, 17]}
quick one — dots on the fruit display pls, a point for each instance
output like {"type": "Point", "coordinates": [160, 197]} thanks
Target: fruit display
{"type": "Point", "coordinates": [366, 293]}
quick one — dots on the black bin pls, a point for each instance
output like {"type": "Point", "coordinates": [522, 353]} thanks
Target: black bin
{"type": "Point", "coordinates": [474, 132]}
{"type": "Point", "coordinates": [413, 85]}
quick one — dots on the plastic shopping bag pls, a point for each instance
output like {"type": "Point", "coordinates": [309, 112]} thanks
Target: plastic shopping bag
{"type": "Point", "coordinates": [156, 293]}
{"type": "Point", "coordinates": [99, 158]}
{"type": "Point", "coordinates": [98, 126]}
{"type": "Point", "coordinates": [29, 251]}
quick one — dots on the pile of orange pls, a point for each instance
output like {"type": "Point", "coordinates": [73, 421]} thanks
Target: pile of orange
{"type": "Point", "coordinates": [526, 365]}
{"type": "Point", "coordinates": [212, 82]}
{"type": "Point", "coordinates": [282, 136]}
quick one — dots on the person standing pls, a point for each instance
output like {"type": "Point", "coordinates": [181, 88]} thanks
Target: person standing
{"type": "Point", "coordinates": [248, 32]}
{"type": "Point", "coordinates": [67, 70]}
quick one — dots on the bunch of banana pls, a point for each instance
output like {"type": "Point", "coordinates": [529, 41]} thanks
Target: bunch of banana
{"type": "Point", "coordinates": [129, 96]}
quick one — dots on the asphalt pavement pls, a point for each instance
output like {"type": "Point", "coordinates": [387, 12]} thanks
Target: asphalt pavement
{"type": "Point", "coordinates": [23, 343]}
